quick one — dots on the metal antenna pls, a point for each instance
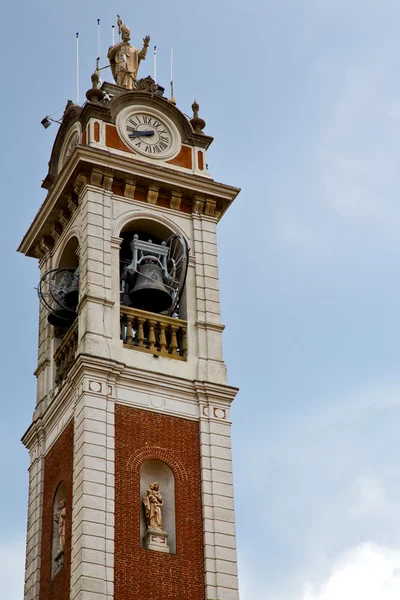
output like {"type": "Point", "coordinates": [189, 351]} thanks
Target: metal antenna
{"type": "Point", "coordinates": [98, 37]}
{"type": "Point", "coordinates": [172, 98]}
{"type": "Point", "coordinates": [155, 64]}
{"type": "Point", "coordinates": [113, 34]}
{"type": "Point", "coordinates": [77, 68]}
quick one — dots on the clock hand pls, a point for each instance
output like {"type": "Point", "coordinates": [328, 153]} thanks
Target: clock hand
{"type": "Point", "coordinates": [136, 133]}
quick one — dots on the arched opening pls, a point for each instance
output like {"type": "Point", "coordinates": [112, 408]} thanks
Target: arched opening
{"type": "Point", "coordinates": [155, 473]}
{"type": "Point", "coordinates": [69, 257]}
{"type": "Point", "coordinates": [60, 511]}
{"type": "Point", "coordinates": [153, 267]}
{"type": "Point", "coordinates": [63, 289]}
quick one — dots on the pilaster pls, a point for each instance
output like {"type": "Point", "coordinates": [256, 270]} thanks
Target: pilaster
{"type": "Point", "coordinates": [93, 491]}
{"type": "Point", "coordinates": [217, 491]}
{"type": "Point", "coordinates": [95, 271]}
{"type": "Point", "coordinates": [209, 329]}
{"type": "Point", "coordinates": [34, 526]}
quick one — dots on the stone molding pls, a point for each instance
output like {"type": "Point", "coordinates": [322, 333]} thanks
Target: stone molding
{"type": "Point", "coordinates": [101, 178]}
{"type": "Point", "coordinates": [175, 200]}
{"type": "Point", "coordinates": [156, 540]}
{"type": "Point", "coordinates": [129, 188]}
{"type": "Point", "coordinates": [152, 194]}
{"type": "Point", "coordinates": [85, 159]}
{"type": "Point", "coordinates": [166, 455]}
{"type": "Point", "coordinates": [118, 376]}
{"type": "Point", "coordinates": [60, 223]}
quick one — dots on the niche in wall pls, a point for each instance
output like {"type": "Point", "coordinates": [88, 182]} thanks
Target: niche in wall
{"type": "Point", "coordinates": [157, 471]}
{"type": "Point", "coordinates": [57, 553]}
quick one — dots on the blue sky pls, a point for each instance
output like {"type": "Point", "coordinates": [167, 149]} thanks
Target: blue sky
{"type": "Point", "coordinates": [303, 99]}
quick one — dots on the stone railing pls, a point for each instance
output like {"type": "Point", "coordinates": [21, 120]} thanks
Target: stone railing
{"type": "Point", "coordinates": [64, 356]}
{"type": "Point", "coordinates": [153, 333]}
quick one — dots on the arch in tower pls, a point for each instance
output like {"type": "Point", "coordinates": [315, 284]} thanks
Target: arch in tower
{"type": "Point", "coordinates": [67, 256]}
{"type": "Point", "coordinates": [160, 225]}
{"type": "Point", "coordinates": [158, 229]}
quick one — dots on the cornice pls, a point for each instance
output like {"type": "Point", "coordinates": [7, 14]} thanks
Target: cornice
{"type": "Point", "coordinates": [151, 382]}
{"type": "Point", "coordinates": [208, 325]}
{"type": "Point", "coordinates": [201, 191]}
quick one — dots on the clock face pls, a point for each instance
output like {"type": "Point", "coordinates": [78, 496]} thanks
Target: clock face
{"type": "Point", "coordinates": [148, 132]}
{"type": "Point", "coordinates": [72, 140]}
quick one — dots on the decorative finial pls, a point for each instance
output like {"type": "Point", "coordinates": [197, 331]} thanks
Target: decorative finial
{"type": "Point", "coordinates": [94, 94]}
{"type": "Point", "coordinates": [198, 124]}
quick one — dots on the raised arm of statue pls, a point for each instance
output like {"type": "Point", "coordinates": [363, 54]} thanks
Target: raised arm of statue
{"type": "Point", "coordinates": [143, 52]}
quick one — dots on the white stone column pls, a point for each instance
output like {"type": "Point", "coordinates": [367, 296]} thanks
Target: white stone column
{"type": "Point", "coordinates": [92, 568]}
{"type": "Point", "coordinates": [95, 272]}
{"type": "Point", "coordinates": [218, 505]}
{"type": "Point", "coordinates": [209, 330]}
{"type": "Point", "coordinates": [115, 290]}
{"type": "Point", "coordinates": [44, 368]}
{"type": "Point", "coordinates": [35, 511]}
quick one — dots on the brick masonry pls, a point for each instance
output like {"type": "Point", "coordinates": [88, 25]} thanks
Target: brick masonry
{"type": "Point", "coordinates": [139, 436]}
{"type": "Point", "coordinates": [58, 467]}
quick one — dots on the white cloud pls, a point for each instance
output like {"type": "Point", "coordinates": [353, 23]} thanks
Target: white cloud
{"type": "Point", "coordinates": [12, 563]}
{"type": "Point", "coordinates": [367, 572]}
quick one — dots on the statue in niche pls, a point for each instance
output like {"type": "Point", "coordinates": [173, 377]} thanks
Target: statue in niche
{"type": "Point", "coordinates": [59, 518]}
{"type": "Point", "coordinates": [153, 502]}
{"type": "Point", "coordinates": [125, 59]}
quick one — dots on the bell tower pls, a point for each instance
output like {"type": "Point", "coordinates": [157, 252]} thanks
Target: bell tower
{"type": "Point", "coordinates": [130, 478]}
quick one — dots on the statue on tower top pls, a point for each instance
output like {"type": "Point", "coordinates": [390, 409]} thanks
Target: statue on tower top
{"type": "Point", "coordinates": [125, 59]}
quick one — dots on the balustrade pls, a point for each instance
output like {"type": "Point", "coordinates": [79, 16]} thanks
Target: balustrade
{"type": "Point", "coordinates": [65, 353]}
{"type": "Point", "coordinates": [153, 333]}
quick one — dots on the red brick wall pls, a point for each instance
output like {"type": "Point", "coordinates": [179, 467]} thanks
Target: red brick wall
{"type": "Point", "coordinates": [58, 466]}
{"type": "Point", "coordinates": [184, 158]}
{"type": "Point", "coordinates": [96, 132]}
{"type": "Point", "coordinates": [139, 574]}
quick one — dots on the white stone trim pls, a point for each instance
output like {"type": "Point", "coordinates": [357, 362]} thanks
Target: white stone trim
{"type": "Point", "coordinates": [218, 508]}
{"type": "Point", "coordinates": [34, 524]}
{"type": "Point", "coordinates": [130, 111]}
{"type": "Point", "coordinates": [92, 568]}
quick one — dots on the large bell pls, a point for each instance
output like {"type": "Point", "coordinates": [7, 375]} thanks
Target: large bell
{"type": "Point", "coordinates": [149, 292]}
{"type": "Point", "coordinates": [71, 297]}
{"type": "Point", "coordinates": [59, 317]}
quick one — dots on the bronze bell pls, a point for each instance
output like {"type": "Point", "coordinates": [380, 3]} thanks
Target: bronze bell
{"type": "Point", "coordinates": [149, 292]}
{"type": "Point", "coordinates": [71, 297]}
{"type": "Point", "coordinates": [59, 317]}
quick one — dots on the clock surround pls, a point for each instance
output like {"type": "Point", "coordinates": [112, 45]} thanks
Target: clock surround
{"type": "Point", "coordinates": [73, 138]}
{"type": "Point", "coordinates": [134, 124]}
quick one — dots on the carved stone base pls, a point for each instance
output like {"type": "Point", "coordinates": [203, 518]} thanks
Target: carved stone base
{"type": "Point", "coordinates": [156, 539]}
{"type": "Point", "coordinates": [59, 558]}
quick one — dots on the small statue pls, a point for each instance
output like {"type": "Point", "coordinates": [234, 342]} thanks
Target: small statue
{"type": "Point", "coordinates": [152, 505]}
{"type": "Point", "coordinates": [59, 518]}
{"type": "Point", "coordinates": [125, 59]}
